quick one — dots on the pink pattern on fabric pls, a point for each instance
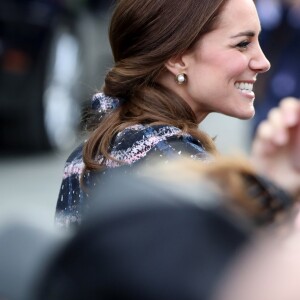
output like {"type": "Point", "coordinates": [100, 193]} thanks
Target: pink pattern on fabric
{"type": "Point", "coordinates": [132, 154]}
{"type": "Point", "coordinates": [73, 168]}
{"type": "Point", "coordinates": [141, 147]}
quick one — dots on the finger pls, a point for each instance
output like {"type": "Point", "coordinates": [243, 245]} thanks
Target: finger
{"type": "Point", "coordinates": [291, 114]}
{"type": "Point", "coordinates": [295, 143]}
{"type": "Point", "coordinates": [263, 140]}
{"type": "Point", "coordinates": [265, 131]}
{"type": "Point", "coordinates": [280, 134]}
{"type": "Point", "coordinates": [290, 108]}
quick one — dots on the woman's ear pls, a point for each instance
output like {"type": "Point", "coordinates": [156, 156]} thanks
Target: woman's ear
{"type": "Point", "coordinates": [176, 65]}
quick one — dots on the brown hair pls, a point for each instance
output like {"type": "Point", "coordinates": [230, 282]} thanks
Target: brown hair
{"type": "Point", "coordinates": [241, 190]}
{"type": "Point", "coordinates": [143, 36]}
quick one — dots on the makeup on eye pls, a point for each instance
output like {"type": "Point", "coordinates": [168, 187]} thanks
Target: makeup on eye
{"type": "Point", "coordinates": [243, 44]}
{"type": "Point", "coordinates": [248, 34]}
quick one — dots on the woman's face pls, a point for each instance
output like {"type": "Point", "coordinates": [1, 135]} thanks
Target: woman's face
{"type": "Point", "coordinates": [223, 66]}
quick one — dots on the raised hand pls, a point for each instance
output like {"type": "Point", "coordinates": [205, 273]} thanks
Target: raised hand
{"type": "Point", "coordinates": [276, 146]}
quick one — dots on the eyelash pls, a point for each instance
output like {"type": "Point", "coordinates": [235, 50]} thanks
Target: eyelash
{"type": "Point", "coordinates": [243, 45]}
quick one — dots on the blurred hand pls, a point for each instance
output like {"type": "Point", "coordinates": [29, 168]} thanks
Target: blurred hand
{"type": "Point", "coordinates": [276, 146]}
{"type": "Point", "coordinates": [295, 3]}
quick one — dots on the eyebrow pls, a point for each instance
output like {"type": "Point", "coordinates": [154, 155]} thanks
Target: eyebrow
{"type": "Point", "coordinates": [244, 33]}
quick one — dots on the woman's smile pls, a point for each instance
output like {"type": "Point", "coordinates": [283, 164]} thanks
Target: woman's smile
{"type": "Point", "coordinates": [246, 88]}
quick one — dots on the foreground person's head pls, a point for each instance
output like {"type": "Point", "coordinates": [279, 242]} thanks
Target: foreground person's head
{"type": "Point", "coordinates": [146, 241]}
{"type": "Point", "coordinates": [141, 241]}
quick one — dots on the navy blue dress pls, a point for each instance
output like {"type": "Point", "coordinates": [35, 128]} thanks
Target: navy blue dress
{"type": "Point", "coordinates": [134, 146]}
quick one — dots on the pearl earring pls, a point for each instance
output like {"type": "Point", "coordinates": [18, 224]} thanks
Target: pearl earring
{"type": "Point", "coordinates": [181, 78]}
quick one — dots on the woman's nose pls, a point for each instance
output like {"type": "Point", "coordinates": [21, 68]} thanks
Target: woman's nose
{"type": "Point", "coordinates": [259, 62]}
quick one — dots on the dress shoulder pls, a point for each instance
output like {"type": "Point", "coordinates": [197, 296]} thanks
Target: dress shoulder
{"type": "Point", "coordinates": [137, 142]}
{"type": "Point", "coordinates": [133, 146]}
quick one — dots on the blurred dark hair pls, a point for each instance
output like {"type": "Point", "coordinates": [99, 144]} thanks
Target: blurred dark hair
{"type": "Point", "coordinates": [143, 36]}
{"type": "Point", "coordinates": [143, 241]}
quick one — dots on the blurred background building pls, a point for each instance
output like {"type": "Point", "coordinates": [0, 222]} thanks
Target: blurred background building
{"type": "Point", "coordinates": [53, 56]}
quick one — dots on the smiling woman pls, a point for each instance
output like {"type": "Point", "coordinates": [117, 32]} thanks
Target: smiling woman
{"type": "Point", "coordinates": [222, 67]}
{"type": "Point", "coordinates": [174, 63]}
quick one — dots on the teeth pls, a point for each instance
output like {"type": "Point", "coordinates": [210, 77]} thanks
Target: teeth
{"type": "Point", "coordinates": [244, 86]}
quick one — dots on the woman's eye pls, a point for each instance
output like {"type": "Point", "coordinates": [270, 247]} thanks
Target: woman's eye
{"type": "Point", "coordinates": [243, 45]}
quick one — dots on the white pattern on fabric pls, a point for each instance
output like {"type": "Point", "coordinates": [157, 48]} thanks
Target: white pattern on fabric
{"type": "Point", "coordinates": [134, 145]}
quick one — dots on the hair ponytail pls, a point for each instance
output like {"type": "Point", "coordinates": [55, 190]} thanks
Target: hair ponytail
{"type": "Point", "coordinates": [127, 76]}
{"type": "Point", "coordinates": [143, 36]}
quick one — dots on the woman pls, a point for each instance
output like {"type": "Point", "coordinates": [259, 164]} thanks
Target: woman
{"type": "Point", "coordinates": [175, 62]}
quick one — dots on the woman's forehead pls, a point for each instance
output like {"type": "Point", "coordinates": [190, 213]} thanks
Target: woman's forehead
{"type": "Point", "coordinates": [239, 15]}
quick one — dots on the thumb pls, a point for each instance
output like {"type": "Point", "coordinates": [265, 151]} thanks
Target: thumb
{"type": "Point", "coordinates": [295, 135]}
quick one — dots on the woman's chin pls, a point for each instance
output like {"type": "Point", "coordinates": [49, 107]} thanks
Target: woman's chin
{"type": "Point", "coordinates": [243, 115]}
